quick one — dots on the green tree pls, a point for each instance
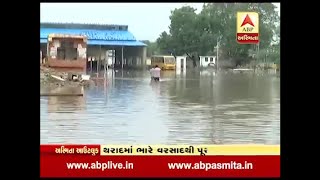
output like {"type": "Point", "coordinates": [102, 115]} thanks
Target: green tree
{"type": "Point", "coordinates": [164, 42]}
{"type": "Point", "coordinates": [152, 48]}
{"type": "Point", "coordinates": [197, 34]}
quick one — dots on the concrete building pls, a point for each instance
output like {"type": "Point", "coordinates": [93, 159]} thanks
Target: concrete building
{"type": "Point", "coordinates": [67, 52]}
{"type": "Point", "coordinates": [102, 39]}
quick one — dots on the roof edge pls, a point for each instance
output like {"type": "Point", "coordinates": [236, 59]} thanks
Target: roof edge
{"type": "Point", "coordinates": [104, 42]}
{"type": "Point", "coordinates": [94, 26]}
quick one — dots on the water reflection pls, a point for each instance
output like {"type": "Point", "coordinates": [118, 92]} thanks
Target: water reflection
{"type": "Point", "coordinates": [194, 108]}
{"type": "Point", "coordinates": [58, 104]}
{"type": "Point", "coordinates": [62, 116]}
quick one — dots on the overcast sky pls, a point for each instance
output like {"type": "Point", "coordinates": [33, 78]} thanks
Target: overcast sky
{"type": "Point", "coordinates": [145, 20]}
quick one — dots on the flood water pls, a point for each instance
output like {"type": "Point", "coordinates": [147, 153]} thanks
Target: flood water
{"type": "Point", "coordinates": [194, 108]}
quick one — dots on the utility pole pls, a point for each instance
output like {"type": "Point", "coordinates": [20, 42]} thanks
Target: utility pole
{"type": "Point", "coordinates": [105, 66]}
{"type": "Point", "coordinates": [218, 54]}
{"type": "Point", "coordinates": [217, 58]}
{"type": "Point", "coordinates": [256, 58]}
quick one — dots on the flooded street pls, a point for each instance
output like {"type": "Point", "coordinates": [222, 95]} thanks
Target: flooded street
{"type": "Point", "coordinates": [195, 108]}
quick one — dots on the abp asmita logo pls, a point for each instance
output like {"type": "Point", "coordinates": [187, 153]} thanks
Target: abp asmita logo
{"type": "Point", "coordinates": [247, 27]}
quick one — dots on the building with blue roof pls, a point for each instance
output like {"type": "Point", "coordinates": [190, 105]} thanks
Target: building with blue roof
{"type": "Point", "coordinates": [127, 51]}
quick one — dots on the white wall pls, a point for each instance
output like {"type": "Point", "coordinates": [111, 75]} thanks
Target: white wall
{"type": "Point", "coordinates": [181, 60]}
{"type": "Point", "coordinates": [148, 62]}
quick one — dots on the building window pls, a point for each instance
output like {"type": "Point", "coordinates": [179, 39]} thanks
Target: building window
{"type": "Point", "coordinates": [158, 59]}
{"type": "Point", "coordinates": [67, 51]}
{"type": "Point", "coordinates": [206, 59]}
{"type": "Point", "coordinates": [211, 59]}
{"type": "Point", "coordinates": [61, 53]}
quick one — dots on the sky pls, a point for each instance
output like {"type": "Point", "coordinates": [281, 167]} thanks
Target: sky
{"type": "Point", "coordinates": [145, 21]}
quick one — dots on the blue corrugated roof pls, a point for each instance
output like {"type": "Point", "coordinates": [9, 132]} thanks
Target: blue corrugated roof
{"type": "Point", "coordinates": [110, 43]}
{"type": "Point", "coordinates": [108, 35]}
{"type": "Point", "coordinates": [95, 37]}
{"type": "Point", "coordinates": [116, 43]}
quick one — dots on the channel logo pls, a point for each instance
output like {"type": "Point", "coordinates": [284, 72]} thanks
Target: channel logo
{"type": "Point", "coordinates": [247, 27]}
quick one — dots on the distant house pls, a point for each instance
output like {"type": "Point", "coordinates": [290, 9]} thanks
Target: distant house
{"type": "Point", "coordinates": [206, 60]}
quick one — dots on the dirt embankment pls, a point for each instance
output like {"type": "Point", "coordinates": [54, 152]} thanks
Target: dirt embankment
{"type": "Point", "coordinates": [47, 80]}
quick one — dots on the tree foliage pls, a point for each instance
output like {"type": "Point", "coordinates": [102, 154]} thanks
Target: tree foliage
{"type": "Point", "coordinates": [197, 34]}
{"type": "Point", "coordinates": [152, 48]}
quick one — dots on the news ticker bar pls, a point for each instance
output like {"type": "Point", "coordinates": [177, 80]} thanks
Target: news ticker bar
{"type": "Point", "coordinates": [218, 161]}
{"type": "Point", "coordinates": [161, 150]}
